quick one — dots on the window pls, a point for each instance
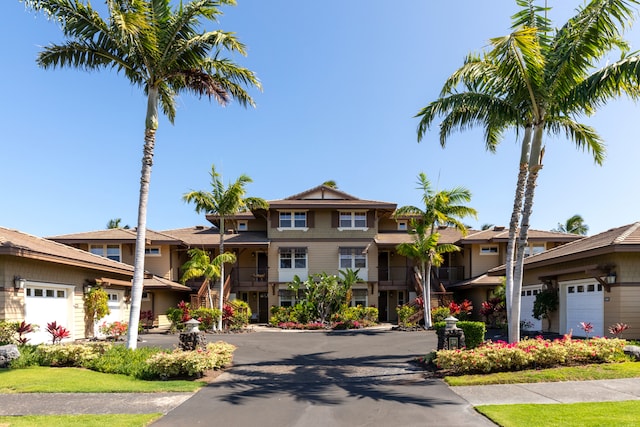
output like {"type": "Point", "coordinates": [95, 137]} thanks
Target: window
{"type": "Point", "coordinates": [353, 220]}
{"type": "Point", "coordinates": [243, 225]}
{"type": "Point", "coordinates": [46, 293]}
{"type": "Point", "coordinates": [359, 297]}
{"type": "Point", "coordinates": [293, 220]}
{"type": "Point", "coordinates": [402, 225]}
{"type": "Point", "coordinates": [534, 248]}
{"type": "Point", "coordinates": [352, 258]}
{"type": "Point", "coordinates": [112, 297]}
{"type": "Point", "coordinates": [293, 258]}
{"type": "Point", "coordinates": [109, 251]}
{"type": "Point", "coordinates": [489, 250]}
{"type": "Point", "coordinates": [287, 298]}
{"type": "Point", "coordinates": [152, 251]}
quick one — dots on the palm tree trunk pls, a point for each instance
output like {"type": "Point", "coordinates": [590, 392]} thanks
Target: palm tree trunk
{"type": "Point", "coordinates": [535, 164]}
{"type": "Point", "coordinates": [515, 219]}
{"type": "Point", "coordinates": [426, 293]}
{"type": "Point", "coordinates": [220, 302]}
{"type": "Point", "coordinates": [151, 125]}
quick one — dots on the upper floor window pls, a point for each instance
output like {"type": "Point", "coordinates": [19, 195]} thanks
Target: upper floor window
{"type": "Point", "coordinates": [402, 225]}
{"type": "Point", "coordinates": [489, 250]}
{"type": "Point", "coordinates": [109, 251]}
{"type": "Point", "coordinates": [293, 258]}
{"type": "Point", "coordinates": [293, 220]}
{"type": "Point", "coordinates": [152, 251]}
{"type": "Point", "coordinates": [534, 248]}
{"type": "Point", "coordinates": [353, 258]}
{"type": "Point", "coordinates": [243, 225]}
{"type": "Point", "coordinates": [353, 220]}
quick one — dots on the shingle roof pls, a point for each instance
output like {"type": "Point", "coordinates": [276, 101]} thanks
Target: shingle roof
{"type": "Point", "coordinates": [337, 199]}
{"type": "Point", "coordinates": [448, 235]}
{"type": "Point", "coordinates": [16, 243]}
{"type": "Point", "coordinates": [501, 235]}
{"type": "Point", "coordinates": [620, 239]}
{"type": "Point", "coordinates": [122, 235]}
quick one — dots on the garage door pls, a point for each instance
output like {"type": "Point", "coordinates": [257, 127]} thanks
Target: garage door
{"type": "Point", "coordinates": [45, 303]}
{"type": "Point", "coordinates": [529, 323]}
{"type": "Point", "coordinates": [585, 303]}
{"type": "Point", "coordinates": [116, 314]}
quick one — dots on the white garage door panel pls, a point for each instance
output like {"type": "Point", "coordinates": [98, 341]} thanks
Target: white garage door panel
{"type": "Point", "coordinates": [585, 303]}
{"type": "Point", "coordinates": [526, 309]}
{"type": "Point", "coordinates": [46, 303]}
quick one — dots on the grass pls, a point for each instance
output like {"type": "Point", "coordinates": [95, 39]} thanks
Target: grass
{"type": "Point", "coordinates": [620, 414]}
{"type": "Point", "coordinates": [111, 420]}
{"type": "Point", "coordinates": [78, 380]}
{"type": "Point", "coordinates": [574, 373]}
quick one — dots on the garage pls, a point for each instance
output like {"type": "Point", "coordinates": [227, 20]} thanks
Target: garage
{"type": "Point", "coordinates": [116, 314]}
{"type": "Point", "coordinates": [46, 303]}
{"type": "Point", "coordinates": [528, 297]}
{"type": "Point", "coordinates": [584, 302]}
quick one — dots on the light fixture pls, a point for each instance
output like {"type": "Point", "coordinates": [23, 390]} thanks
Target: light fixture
{"type": "Point", "coordinates": [611, 278]}
{"type": "Point", "coordinates": [19, 282]}
{"type": "Point", "coordinates": [87, 288]}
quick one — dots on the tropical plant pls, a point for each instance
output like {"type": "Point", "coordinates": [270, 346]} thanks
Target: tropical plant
{"type": "Point", "coordinates": [96, 306]}
{"type": "Point", "coordinates": [538, 81]}
{"type": "Point", "coordinates": [58, 332]}
{"type": "Point", "coordinates": [546, 302]}
{"type": "Point", "coordinates": [618, 329]}
{"type": "Point", "coordinates": [441, 208]}
{"type": "Point", "coordinates": [164, 51]}
{"type": "Point", "coordinates": [224, 202]}
{"type": "Point", "coordinates": [573, 225]}
{"type": "Point", "coordinates": [115, 223]}
{"type": "Point", "coordinates": [201, 265]}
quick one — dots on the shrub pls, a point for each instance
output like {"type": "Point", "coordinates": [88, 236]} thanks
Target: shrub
{"type": "Point", "coordinates": [117, 359]}
{"type": "Point", "coordinates": [438, 314]}
{"type": "Point", "coordinates": [180, 363]}
{"type": "Point", "coordinates": [114, 330]}
{"type": "Point", "coordinates": [240, 316]}
{"type": "Point", "coordinates": [404, 313]}
{"type": "Point", "coordinates": [473, 332]}
{"type": "Point", "coordinates": [58, 332]}
{"type": "Point", "coordinates": [8, 332]}
{"type": "Point", "coordinates": [28, 357]}
{"type": "Point", "coordinates": [529, 353]}
{"type": "Point", "coordinates": [206, 316]}
{"type": "Point", "coordinates": [77, 355]}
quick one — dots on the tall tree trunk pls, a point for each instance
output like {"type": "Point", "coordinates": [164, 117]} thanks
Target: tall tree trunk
{"type": "Point", "coordinates": [515, 219]}
{"type": "Point", "coordinates": [535, 164]}
{"type": "Point", "coordinates": [426, 293]}
{"type": "Point", "coordinates": [221, 296]}
{"type": "Point", "coordinates": [151, 125]}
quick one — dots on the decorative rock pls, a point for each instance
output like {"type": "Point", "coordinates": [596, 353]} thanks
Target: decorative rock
{"type": "Point", "coordinates": [190, 341]}
{"type": "Point", "coordinates": [7, 354]}
{"type": "Point", "coordinates": [632, 350]}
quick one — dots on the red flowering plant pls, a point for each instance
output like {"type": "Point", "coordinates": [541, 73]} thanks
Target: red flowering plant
{"type": "Point", "coordinates": [114, 330]}
{"type": "Point", "coordinates": [184, 306]}
{"type": "Point", "coordinates": [618, 328]}
{"type": "Point", "coordinates": [23, 329]}
{"type": "Point", "coordinates": [462, 310]}
{"type": "Point", "coordinates": [58, 332]}
{"type": "Point", "coordinates": [587, 327]}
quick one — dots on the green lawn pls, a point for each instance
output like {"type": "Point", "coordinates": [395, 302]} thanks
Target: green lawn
{"type": "Point", "coordinates": [575, 373]}
{"type": "Point", "coordinates": [137, 420]}
{"type": "Point", "coordinates": [619, 414]}
{"type": "Point", "coordinates": [77, 380]}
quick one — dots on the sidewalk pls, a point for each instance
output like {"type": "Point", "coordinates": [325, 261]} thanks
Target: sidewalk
{"type": "Point", "coordinates": [556, 392]}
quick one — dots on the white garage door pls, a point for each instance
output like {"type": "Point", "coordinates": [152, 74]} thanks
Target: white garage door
{"type": "Point", "coordinates": [585, 303]}
{"type": "Point", "coordinates": [46, 303]}
{"type": "Point", "coordinates": [116, 314]}
{"type": "Point", "coordinates": [529, 323]}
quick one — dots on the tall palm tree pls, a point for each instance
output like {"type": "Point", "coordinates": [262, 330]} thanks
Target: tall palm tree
{"type": "Point", "coordinates": [164, 52]}
{"type": "Point", "coordinates": [538, 81]}
{"type": "Point", "coordinates": [574, 225]}
{"type": "Point", "coordinates": [223, 202]}
{"type": "Point", "coordinates": [441, 208]}
{"type": "Point", "coordinates": [201, 265]}
{"type": "Point", "coordinates": [115, 223]}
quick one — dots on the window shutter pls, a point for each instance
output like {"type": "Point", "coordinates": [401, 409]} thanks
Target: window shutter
{"type": "Point", "coordinates": [335, 219]}
{"type": "Point", "coordinates": [311, 216]}
{"type": "Point", "coordinates": [275, 219]}
{"type": "Point", "coordinates": [371, 219]}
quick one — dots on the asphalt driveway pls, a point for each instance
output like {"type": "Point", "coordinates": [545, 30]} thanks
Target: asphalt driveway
{"type": "Point", "coordinates": [360, 378]}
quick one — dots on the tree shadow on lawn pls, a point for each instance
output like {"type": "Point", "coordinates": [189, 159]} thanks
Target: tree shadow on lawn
{"type": "Point", "coordinates": [314, 378]}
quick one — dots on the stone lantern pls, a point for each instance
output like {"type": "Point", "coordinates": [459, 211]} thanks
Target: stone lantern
{"type": "Point", "coordinates": [451, 337]}
{"type": "Point", "coordinates": [191, 337]}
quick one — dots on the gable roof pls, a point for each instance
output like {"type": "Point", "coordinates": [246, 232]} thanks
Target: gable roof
{"type": "Point", "coordinates": [620, 239]}
{"type": "Point", "coordinates": [323, 196]}
{"type": "Point", "coordinates": [448, 235]}
{"type": "Point", "coordinates": [121, 235]}
{"type": "Point", "coordinates": [202, 236]}
{"type": "Point", "coordinates": [499, 234]}
{"type": "Point", "coordinates": [19, 244]}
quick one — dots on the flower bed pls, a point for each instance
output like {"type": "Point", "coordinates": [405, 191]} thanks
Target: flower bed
{"type": "Point", "coordinates": [529, 354]}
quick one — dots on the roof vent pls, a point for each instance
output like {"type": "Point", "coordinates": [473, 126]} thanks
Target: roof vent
{"type": "Point", "coordinates": [199, 227]}
{"type": "Point", "coordinates": [499, 228]}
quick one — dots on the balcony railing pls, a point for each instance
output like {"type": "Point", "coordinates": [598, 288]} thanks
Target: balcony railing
{"type": "Point", "coordinates": [449, 275]}
{"type": "Point", "coordinates": [248, 276]}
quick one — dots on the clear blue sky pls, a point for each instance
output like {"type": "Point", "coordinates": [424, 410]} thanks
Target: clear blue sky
{"type": "Point", "coordinates": [342, 81]}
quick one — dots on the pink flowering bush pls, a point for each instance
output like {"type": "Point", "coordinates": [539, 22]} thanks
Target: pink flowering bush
{"type": "Point", "coordinates": [529, 354]}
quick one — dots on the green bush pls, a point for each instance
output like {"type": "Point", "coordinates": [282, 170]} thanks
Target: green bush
{"type": "Point", "coordinates": [438, 314]}
{"type": "Point", "coordinates": [206, 316]}
{"type": "Point", "coordinates": [117, 359]}
{"type": "Point", "coordinates": [404, 312]}
{"type": "Point", "coordinates": [180, 363]}
{"type": "Point", "coordinates": [8, 332]}
{"type": "Point", "coordinates": [77, 355]}
{"type": "Point", "coordinates": [28, 357]}
{"type": "Point", "coordinates": [473, 332]}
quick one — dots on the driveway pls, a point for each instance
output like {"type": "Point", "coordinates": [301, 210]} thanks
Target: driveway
{"type": "Point", "coordinates": [308, 379]}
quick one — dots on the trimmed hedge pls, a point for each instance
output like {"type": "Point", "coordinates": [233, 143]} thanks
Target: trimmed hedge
{"type": "Point", "coordinates": [473, 332]}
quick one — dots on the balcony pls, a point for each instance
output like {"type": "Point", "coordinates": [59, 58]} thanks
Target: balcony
{"type": "Point", "coordinates": [394, 277]}
{"type": "Point", "coordinates": [449, 275]}
{"type": "Point", "coordinates": [248, 279]}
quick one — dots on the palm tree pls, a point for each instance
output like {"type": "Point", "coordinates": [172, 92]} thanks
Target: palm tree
{"type": "Point", "coordinates": [164, 52]}
{"type": "Point", "coordinates": [115, 223]}
{"type": "Point", "coordinates": [538, 83]}
{"type": "Point", "coordinates": [441, 208]}
{"type": "Point", "coordinates": [223, 202]}
{"type": "Point", "coordinates": [574, 225]}
{"type": "Point", "coordinates": [201, 265]}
